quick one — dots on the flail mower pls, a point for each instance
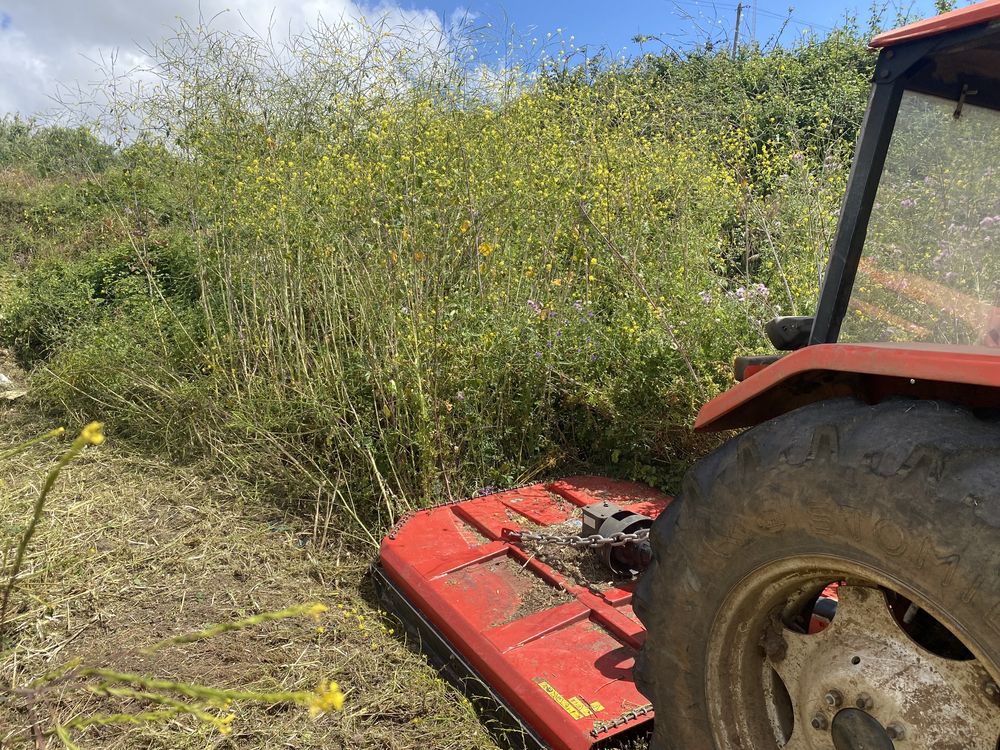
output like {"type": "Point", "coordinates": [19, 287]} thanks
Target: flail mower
{"type": "Point", "coordinates": [828, 579]}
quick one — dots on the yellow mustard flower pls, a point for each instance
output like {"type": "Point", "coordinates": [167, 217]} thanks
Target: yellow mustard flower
{"type": "Point", "coordinates": [93, 433]}
{"type": "Point", "coordinates": [326, 698]}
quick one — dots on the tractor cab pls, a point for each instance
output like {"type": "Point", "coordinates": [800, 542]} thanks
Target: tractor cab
{"type": "Point", "coordinates": [910, 304]}
{"type": "Point", "coordinates": [917, 254]}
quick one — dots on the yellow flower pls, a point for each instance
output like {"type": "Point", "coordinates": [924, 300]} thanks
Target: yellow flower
{"type": "Point", "coordinates": [93, 433]}
{"type": "Point", "coordinates": [406, 234]}
{"type": "Point", "coordinates": [556, 282]}
{"type": "Point", "coordinates": [485, 248]}
{"type": "Point", "coordinates": [466, 225]}
{"type": "Point", "coordinates": [326, 698]}
{"type": "Point", "coordinates": [315, 610]}
{"type": "Point", "coordinates": [225, 724]}
{"type": "Point", "coordinates": [419, 256]}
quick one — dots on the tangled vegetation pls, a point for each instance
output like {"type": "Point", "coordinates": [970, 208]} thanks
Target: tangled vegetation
{"type": "Point", "coordinates": [370, 274]}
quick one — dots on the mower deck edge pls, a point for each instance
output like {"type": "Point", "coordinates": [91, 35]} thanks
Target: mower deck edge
{"type": "Point", "coordinates": [509, 728]}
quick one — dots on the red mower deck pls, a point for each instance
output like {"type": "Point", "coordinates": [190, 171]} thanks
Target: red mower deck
{"type": "Point", "coordinates": [555, 654]}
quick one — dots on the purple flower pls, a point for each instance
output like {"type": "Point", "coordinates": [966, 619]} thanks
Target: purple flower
{"type": "Point", "coordinates": [578, 305]}
{"type": "Point", "coordinates": [538, 355]}
{"type": "Point", "coordinates": [908, 203]}
{"type": "Point", "coordinates": [797, 157]}
{"type": "Point", "coordinates": [534, 306]}
{"type": "Point", "coordinates": [706, 297]}
{"type": "Point", "coordinates": [989, 221]}
{"type": "Point", "coordinates": [762, 290]}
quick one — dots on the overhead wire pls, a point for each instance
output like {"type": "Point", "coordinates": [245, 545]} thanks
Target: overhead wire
{"type": "Point", "coordinates": [789, 17]}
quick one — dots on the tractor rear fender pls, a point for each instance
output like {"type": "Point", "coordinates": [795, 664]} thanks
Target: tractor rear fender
{"type": "Point", "coordinates": [966, 375]}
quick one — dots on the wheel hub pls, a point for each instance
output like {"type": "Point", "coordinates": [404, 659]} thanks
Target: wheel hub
{"type": "Point", "coordinates": [853, 729]}
{"type": "Point", "coordinates": [862, 682]}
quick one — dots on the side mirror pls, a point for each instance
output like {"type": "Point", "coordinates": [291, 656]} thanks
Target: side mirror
{"type": "Point", "coordinates": [789, 333]}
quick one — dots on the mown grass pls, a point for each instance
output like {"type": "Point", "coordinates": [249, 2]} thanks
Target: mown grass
{"type": "Point", "coordinates": [132, 551]}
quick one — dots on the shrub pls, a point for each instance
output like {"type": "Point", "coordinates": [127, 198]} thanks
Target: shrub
{"type": "Point", "coordinates": [50, 150]}
{"type": "Point", "coordinates": [370, 275]}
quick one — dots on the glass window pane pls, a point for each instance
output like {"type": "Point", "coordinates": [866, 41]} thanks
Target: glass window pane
{"type": "Point", "coordinates": [930, 270]}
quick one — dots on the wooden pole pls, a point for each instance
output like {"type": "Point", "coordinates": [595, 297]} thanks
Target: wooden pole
{"type": "Point", "coordinates": [736, 32]}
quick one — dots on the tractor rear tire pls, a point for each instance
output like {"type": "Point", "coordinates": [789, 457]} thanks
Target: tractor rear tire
{"type": "Point", "coordinates": [902, 497]}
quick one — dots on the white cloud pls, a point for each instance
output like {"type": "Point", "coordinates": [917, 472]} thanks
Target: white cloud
{"type": "Point", "coordinates": [48, 44]}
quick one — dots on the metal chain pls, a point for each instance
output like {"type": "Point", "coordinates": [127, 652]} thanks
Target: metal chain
{"type": "Point", "coordinates": [574, 540]}
{"type": "Point", "coordinates": [606, 726]}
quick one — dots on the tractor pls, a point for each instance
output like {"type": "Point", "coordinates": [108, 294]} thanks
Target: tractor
{"type": "Point", "coordinates": [827, 579]}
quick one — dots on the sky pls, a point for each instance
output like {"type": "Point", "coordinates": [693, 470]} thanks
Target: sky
{"type": "Point", "coordinates": [51, 47]}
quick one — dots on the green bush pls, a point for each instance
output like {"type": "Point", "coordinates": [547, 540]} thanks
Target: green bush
{"type": "Point", "coordinates": [49, 302]}
{"type": "Point", "coordinates": [44, 307]}
{"type": "Point", "coordinates": [143, 354]}
{"type": "Point", "coordinates": [381, 290]}
{"type": "Point", "coordinates": [51, 150]}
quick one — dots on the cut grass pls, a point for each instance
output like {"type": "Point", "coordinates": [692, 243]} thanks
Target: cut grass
{"type": "Point", "coordinates": [132, 551]}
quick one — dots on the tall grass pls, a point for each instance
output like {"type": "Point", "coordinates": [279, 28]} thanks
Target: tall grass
{"type": "Point", "coordinates": [374, 271]}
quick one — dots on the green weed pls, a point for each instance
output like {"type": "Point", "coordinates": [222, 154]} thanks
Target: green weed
{"type": "Point", "coordinates": [369, 277]}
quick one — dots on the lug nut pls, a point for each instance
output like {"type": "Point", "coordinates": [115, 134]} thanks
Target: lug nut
{"type": "Point", "coordinates": [834, 699]}
{"type": "Point", "coordinates": [895, 731]}
{"type": "Point", "coordinates": [864, 702]}
{"type": "Point", "coordinates": [818, 721]}
{"type": "Point", "coordinates": [992, 690]}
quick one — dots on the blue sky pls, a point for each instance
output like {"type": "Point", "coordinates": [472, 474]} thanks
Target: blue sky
{"type": "Point", "coordinates": [48, 45]}
{"type": "Point", "coordinates": [678, 22]}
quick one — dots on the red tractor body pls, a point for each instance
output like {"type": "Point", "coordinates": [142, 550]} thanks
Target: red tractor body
{"type": "Point", "coordinates": [554, 651]}
{"type": "Point", "coordinates": [966, 375]}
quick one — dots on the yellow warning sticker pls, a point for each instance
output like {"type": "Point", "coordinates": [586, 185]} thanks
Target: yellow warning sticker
{"type": "Point", "coordinates": [580, 705]}
{"type": "Point", "coordinates": [596, 706]}
{"type": "Point", "coordinates": [558, 698]}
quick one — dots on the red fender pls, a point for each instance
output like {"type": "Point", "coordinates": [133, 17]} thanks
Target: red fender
{"type": "Point", "coordinates": [966, 375]}
{"type": "Point", "coordinates": [983, 12]}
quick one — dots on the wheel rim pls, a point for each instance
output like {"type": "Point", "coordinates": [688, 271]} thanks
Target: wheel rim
{"type": "Point", "coordinates": [868, 679]}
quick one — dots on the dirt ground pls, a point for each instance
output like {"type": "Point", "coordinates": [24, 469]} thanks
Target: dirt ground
{"type": "Point", "coordinates": [131, 551]}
